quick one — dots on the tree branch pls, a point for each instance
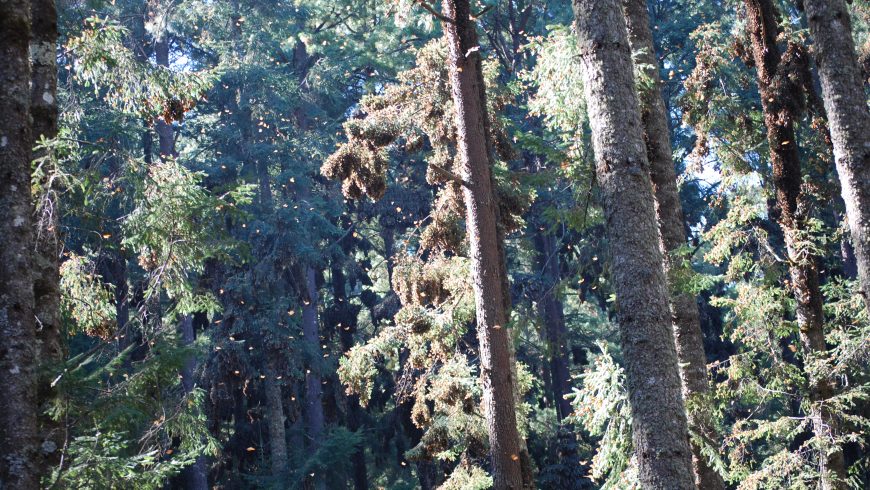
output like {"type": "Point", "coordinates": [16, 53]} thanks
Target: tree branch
{"type": "Point", "coordinates": [434, 12]}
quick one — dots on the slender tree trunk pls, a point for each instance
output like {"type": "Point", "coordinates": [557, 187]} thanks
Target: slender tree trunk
{"type": "Point", "coordinates": [195, 475]}
{"type": "Point", "coordinates": [554, 323]}
{"type": "Point", "coordinates": [313, 387]}
{"type": "Point", "coordinates": [487, 264]}
{"type": "Point", "coordinates": [18, 409]}
{"type": "Point", "coordinates": [778, 104]}
{"type": "Point", "coordinates": [275, 421]}
{"type": "Point", "coordinates": [46, 273]}
{"type": "Point", "coordinates": [669, 213]}
{"type": "Point", "coordinates": [346, 316]}
{"type": "Point", "coordinates": [165, 133]}
{"type": "Point", "coordinates": [661, 438]}
{"type": "Point", "coordinates": [848, 119]}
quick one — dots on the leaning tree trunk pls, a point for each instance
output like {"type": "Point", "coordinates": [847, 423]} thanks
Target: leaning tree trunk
{"type": "Point", "coordinates": [46, 273]}
{"type": "Point", "coordinates": [661, 437]}
{"type": "Point", "coordinates": [669, 212]}
{"type": "Point", "coordinates": [487, 268]}
{"type": "Point", "coordinates": [18, 409]}
{"type": "Point", "coordinates": [848, 120]}
{"type": "Point", "coordinates": [779, 102]}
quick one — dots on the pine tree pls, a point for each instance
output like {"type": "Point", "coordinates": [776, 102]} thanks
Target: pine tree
{"type": "Point", "coordinates": [669, 213]}
{"type": "Point", "coordinates": [487, 256]}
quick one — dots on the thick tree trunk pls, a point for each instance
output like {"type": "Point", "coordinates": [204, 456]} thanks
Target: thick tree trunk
{"type": "Point", "coordinates": [487, 265]}
{"type": "Point", "coordinates": [313, 388]}
{"type": "Point", "coordinates": [778, 104]}
{"type": "Point", "coordinates": [554, 323]}
{"type": "Point", "coordinates": [661, 437]}
{"type": "Point", "coordinates": [669, 213]}
{"type": "Point", "coordinates": [848, 119]}
{"type": "Point", "coordinates": [18, 409]}
{"type": "Point", "coordinates": [46, 273]}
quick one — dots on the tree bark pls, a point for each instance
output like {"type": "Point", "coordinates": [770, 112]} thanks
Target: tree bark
{"type": "Point", "coordinates": [277, 433]}
{"type": "Point", "coordinates": [848, 119]}
{"type": "Point", "coordinates": [779, 103]}
{"type": "Point", "coordinates": [669, 213]}
{"type": "Point", "coordinates": [18, 409]}
{"type": "Point", "coordinates": [554, 323]}
{"type": "Point", "coordinates": [165, 133]}
{"type": "Point", "coordinates": [474, 150]}
{"type": "Point", "coordinates": [313, 387]}
{"type": "Point", "coordinates": [195, 476]}
{"type": "Point", "coordinates": [347, 324]}
{"type": "Point", "coordinates": [46, 263]}
{"type": "Point", "coordinates": [660, 432]}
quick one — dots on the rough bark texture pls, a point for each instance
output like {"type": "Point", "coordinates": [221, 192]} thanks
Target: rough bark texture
{"type": "Point", "coordinates": [780, 103]}
{"type": "Point", "coordinates": [848, 119]}
{"type": "Point", "coordinates": [487, 265]}
{"type": "Point", "coordinates": [313, 387]}
{"type": "Point", "coordinates": [669, 213]}
{"type": "Point", "coordinates": [18, 409]}
{"type": "Point", "coordinates": [43, 108]}
{"type": "Point", "coordinates": [554, 323]}
{"type": "Point", "coordinates": [659, 425]}
{"type": "Point", "coordinates": [46, 274]}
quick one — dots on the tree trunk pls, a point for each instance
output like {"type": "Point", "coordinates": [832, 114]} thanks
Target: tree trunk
{"type": "Point", "coordinates": [313, 388]}
{"type": "Point", "coordinates": [195, 475]}
{"type": "Point", "coordinates": [848, 119]}
{"type": "Point", "coordinates": [661, 438]}
{"type": "Point", "coordinates": [275, 421]}
{"type": "Point", "coordinates": [554, 323]}
{"type": "Point", "coordinates": [778, 104]}
{"type": "Point", "coordinates": [18, 409]}
{"type": "Point", "coordinates": [165, 133]}
{"type": "Point", "coordinates": [347, 325]}
{"type": "Point", "coordinates": [669, 213]}
{"type": "Point", "coordinates": [46, 273]}
{"type": "Point", "coordinates": [487, 264]}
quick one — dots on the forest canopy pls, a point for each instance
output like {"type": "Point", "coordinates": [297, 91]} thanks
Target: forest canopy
{"type": "Point", "coordinates": [456, 245]}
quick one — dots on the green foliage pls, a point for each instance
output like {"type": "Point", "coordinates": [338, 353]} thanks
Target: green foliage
{"type": "Point", "coordinates": [104, 62]}
{"type": "Point", "coordinates": [86, 300]}
{"type": "Point", "coordinates": [558, 97]}
{"type": "Point", "coordinates": [601, 407]}
{"type": "Point", "coordinates": [173, 229]}
{"type": "Point", "coordinates": [467, 478]}
{"type": "Point", "coordinates": [101, 461]}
